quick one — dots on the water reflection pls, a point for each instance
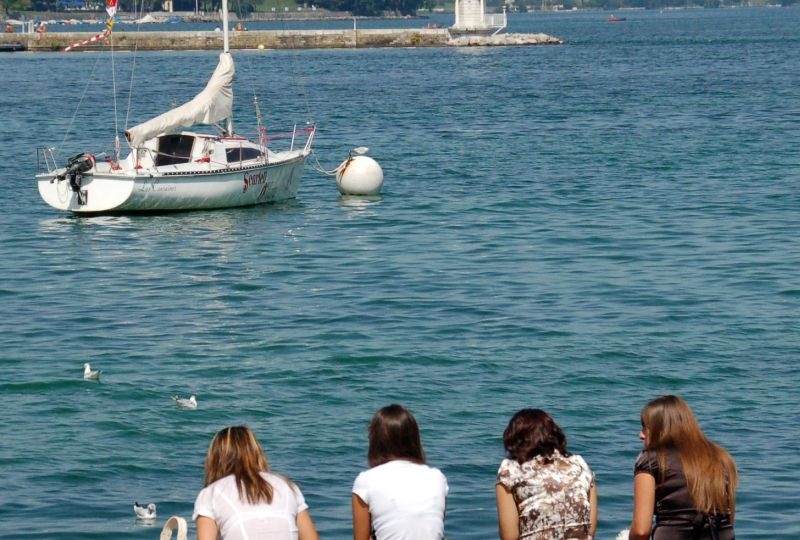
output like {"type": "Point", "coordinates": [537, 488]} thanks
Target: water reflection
{"type": "Point", "coordinates": [360, 205]}
{"type": "Point", "coordinates": [182, 234]}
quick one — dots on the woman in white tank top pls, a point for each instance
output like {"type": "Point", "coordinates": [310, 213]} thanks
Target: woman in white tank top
{"type": "Point", "coordinates": [242, 499]}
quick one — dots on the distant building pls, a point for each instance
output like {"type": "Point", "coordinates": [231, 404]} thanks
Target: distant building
{"type": "Point", "coordinates": [471, 18]}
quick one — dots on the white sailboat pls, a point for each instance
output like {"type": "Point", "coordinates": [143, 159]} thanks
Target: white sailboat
{"type": "Point", "coordinates": [170, 169]}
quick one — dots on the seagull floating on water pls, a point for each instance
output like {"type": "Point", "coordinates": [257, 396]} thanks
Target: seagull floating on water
{"type": "Point", "coordinates": [145, 512]}
{"type": "Point", "coordinates": [89, 373]}
{"type": "Point", "coordinates": [184, 403]}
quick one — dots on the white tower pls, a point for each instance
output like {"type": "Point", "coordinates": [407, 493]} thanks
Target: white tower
{"type": "Point", "coordinates": [470, 16]}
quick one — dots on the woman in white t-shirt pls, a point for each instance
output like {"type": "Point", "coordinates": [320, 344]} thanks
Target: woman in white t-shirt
{"type": "Point", "coordinates": [242, 500]}
{"type": "Point", "coordinates": [399, 497]}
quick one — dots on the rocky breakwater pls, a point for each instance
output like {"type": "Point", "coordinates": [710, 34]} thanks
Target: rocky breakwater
{"type": "Point", "coordinates": [503, 40]}
{"type": "Point", "coordinates": [285, 39]}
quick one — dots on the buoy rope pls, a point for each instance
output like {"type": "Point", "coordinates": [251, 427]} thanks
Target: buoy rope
{"type": "Point", "coordinates": [318, 167]}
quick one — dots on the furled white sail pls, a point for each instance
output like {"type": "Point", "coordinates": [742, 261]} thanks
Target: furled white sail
{"type": "Point", "coordinates": [212, 105]}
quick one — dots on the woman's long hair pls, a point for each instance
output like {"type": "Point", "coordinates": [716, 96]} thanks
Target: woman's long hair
{"type": "Point", "coordinates": [235, 450]}
{"type": "Point", "coordinates": [709, 469]}
{"type": "Point", "coordinates": [394, 434]}
{"type": "Point", "coordinates": [531, 433]}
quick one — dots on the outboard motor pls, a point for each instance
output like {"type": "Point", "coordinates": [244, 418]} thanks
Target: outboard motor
{"type": "Point", "coordinates": [76, 166]}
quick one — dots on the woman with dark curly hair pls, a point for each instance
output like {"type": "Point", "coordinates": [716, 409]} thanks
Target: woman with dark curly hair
{"type": "Point", "coordinates": [543, 491]}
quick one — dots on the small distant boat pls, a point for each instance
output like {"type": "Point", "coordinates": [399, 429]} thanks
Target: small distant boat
{"type": "Point", "coordinates": [147, 19]}
{"type": "Point", "coordinates": [12, 47]}
{"type": "Point", "coordinates": [614, 18]}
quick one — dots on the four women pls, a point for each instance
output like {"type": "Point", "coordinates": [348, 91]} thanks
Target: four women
{"type": "Point", "coordinates": [544, 492]}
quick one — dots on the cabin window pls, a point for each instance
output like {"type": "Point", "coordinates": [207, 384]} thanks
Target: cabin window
{"type": "Point", "coordinates": [239, 153]}
{"type": "Point", "coordinates": [174, 149]}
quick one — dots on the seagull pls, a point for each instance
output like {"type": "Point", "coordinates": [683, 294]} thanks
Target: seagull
{"type": "Point", "coordinates": [184, 403]}
{"type": "Point", "coordinates": [145, 512]}
{"type": "Point", "coordinates": [90, 374]}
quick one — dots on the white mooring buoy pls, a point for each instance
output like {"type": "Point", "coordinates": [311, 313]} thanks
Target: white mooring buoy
{"type": "Point", "coordinates": [359, 174]}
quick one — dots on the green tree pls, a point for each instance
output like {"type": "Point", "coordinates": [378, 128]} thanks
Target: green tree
{"type": "Point", "coordinates": [15, 6]}
{"type": "Point", "coordinates": [372, 8]}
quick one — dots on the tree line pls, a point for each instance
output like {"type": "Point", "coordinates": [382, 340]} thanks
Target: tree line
{"type": "Point", "coordinates": [372, 8]}
{"type": "Point", "coordinates": [367, 8]}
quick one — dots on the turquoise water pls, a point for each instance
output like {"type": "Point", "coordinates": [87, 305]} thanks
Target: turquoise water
{"type": "Point", "coordinates": [578, 228]}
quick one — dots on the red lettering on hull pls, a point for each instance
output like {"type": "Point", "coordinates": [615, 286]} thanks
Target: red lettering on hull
{"type": "Point", "coordinates": [256, 179]}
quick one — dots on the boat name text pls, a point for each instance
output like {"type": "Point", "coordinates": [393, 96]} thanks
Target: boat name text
{"type": "Point", "coordinates": [254, 180]}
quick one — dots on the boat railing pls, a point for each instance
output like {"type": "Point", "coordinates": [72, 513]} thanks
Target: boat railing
{"type": "Point", "coordinates": [46, 160]}
{"type": "Point", "coordinates": [310, 130]}
{"type": "Point", "coordinates": [294, 136]}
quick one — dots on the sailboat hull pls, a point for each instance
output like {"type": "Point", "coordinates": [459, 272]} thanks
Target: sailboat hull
{"type": "Point", "coordinates": [104, 190]}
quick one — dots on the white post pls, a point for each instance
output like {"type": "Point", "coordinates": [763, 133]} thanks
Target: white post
{"type": "Point", "coordinates": [226, 50]}
{"type": "Point", "coordinates": [225, 43]}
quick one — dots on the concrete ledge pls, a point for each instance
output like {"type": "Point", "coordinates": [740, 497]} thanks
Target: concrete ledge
{"type": "Point", "coordinates": [271, 39]}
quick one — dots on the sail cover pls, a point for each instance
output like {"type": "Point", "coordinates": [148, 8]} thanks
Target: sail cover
{"type": "Point", "coordinates": [212, 105]}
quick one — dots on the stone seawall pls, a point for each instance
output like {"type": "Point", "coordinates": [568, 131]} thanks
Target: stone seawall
{"type": "Point", "coordinates": [268, 39]}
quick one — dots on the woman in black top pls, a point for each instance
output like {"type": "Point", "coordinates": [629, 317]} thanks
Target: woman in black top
{"type": "Point", "coordinates": [685, 481]}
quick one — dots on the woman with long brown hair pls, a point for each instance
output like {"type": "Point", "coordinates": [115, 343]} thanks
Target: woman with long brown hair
{"type": "Point", "coordinates": [399, 496]}
{"type": "Point", "coordinates": [684, 480]}
{"type": "Point", "coordinates": [242, 499]}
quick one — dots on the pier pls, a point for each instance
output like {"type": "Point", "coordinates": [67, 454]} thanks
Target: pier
{"type": "Point", "coordinates": [267, 39]}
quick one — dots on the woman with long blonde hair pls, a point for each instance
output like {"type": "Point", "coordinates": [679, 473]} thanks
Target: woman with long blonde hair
{"type": "Point", "coordinates": [684, 480]}
{"type": "Point", "coordinates": [242, 499]}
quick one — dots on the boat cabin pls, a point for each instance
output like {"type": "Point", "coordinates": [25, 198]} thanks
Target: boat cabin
{"type": "Point", "coordinates": [185, 147]}
{"type": "Point", "coordinates": [174, 148]}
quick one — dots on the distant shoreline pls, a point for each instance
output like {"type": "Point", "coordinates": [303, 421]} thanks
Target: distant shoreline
{"type": "Point", "coordinates": [268, 39]}
{"type": "Point", "coordinates": [207, 17]}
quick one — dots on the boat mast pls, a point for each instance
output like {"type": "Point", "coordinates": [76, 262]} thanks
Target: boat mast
{"type": "Point", "coordinates": [226, 50]}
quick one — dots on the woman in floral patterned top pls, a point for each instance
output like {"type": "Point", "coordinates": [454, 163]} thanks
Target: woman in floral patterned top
{"type": "Point", "coordinates": [543, 491]}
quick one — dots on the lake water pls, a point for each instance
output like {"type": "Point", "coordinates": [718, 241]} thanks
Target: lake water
{"type": "Point", "coordinates": [578, 228]}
